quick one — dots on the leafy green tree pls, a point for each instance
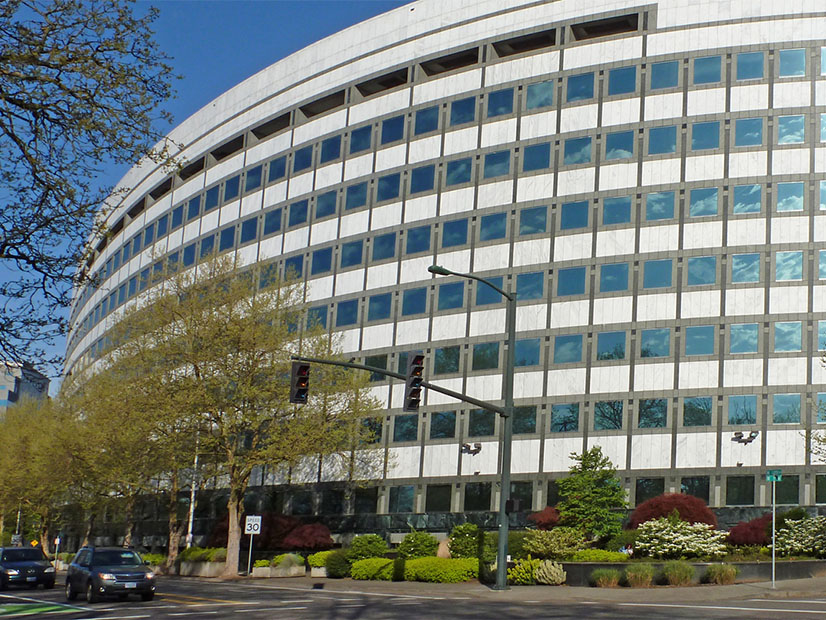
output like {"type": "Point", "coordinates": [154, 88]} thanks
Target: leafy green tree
{"type": "Point", "coordinates": [591, 495]}
{"type": "Point", "coordinates": [81, 82]}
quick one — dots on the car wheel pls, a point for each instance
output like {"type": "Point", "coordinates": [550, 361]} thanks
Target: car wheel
{"type": "Point", "coordinates": [70, 593]}
{"type": "Point", "coordinates": [91, 593]}
{"type": "Point", "coordinates": [147, 596]}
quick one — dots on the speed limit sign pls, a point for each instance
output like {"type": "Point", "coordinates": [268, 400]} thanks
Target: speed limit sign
{"type": "Point", "coordinates": [252, 525]}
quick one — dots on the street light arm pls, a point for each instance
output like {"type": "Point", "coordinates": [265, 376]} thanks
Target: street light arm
{"type": "Point", "coordinates": [442, 271]}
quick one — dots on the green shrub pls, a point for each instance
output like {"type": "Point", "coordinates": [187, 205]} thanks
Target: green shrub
{"type": "Point", "coordinates": [672, 538]}
{"type": "Point", "coordinates": [803, 537]}
{"type": "Point", "coordinates": [516, 545]}
{"type": "Point", "coordinates": [200, 554]}
{"type": "Point", "coordinates": [721, 574]}
{"type": "Point", "coordinates": [677, 573]}
{"type": "Point", "coordinates": [287, 560]}
{"type": "Point", "coordinates": [319, 559]}
{"type": "Point", "coordinates": [598, 555]}
{"type": "Point", "coordinates": [372, 569]}
{"type": "Point", "coordinates": [154, 559]}
{"type": "Point", "coordinates": [621, 540]}
{"type": "Point", "coordinates": [605, 577]}
{"type": "Point", "coordinates": [464, 541]}
{"type": "Point", "coordinates": [337, 565]}
{"type": "Point", "coordinates": [550, 573]}
{"type": "Point", "coordinates": [261, 564]}
{"type": "Point", "coordinates": [523, 572]}
{"type": "Point", "coordinates": [418, 545]}
{"type": "Point", "coordinates": [639, 575]}
{"type": "Point", "coordinates": [441, 570]}
{"type": "Point", "coordinates": [781, 519]}
{"type": "Point", "coordinates": [398, 569]}
{"type": "Point", "coordinates": [217, 554]}
{"type": "Point", "coordinates": [556, 544]}
{"type": "Point", "coordinates": [367, 546]}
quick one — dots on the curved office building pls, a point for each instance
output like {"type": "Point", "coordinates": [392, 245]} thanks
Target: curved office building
{"type": "Point", "coordinates": [650, 178]}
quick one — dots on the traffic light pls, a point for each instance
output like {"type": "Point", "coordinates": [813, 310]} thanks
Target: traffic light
{"type": "Point", "coordinates": [299, 382]}
{"type": "Point", "coordinates": [413, 384]}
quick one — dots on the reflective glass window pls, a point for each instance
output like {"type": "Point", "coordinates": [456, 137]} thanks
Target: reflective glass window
{"type": "Point", "coordinates": [188, 258]}
{"type": "Point", "coordinates": [747, 199]}
{"type": "Point", "coordinates": [446, 360]}
{"type": "Point", "coordinates": [703, 202]}
{"type": "Point", "coordinates": [619, 145]}
{"type": "Point", "coordinates": [659, 206]}
{"type": "Point", "coordinates": [821, 265]}
{"type": "Point", "coordinates": [272, 222]}
{"type": "Point", "coordinates": [611, 346]}
{"type": "Point", "coordinates": [406, 427]}
{"type": "Point", "coordinates": [352, 253]}
{"type": "Point", "coordinates": [347, 312]}
{"type": "Point", "coordinates": [786, 409]}
{"type": "Point", "coordinates": [742, 409]}
{"type": "Point", "coordinates": [533, 220]}
{"type": "Point", "coordinates": [497, 164]}
{"type": "Point", "coordinates": [580, 87]}
{"type": "Point", "coordinates": [298, 213]}
{"type": "Point", "coordinates": [665, 74]}
{"type": "Point", "coordinates": [744, 338]}
{"type": "Point", "coordinates": [655, 342]}
{"type": "Point", "coordinates": [232, 187]}
{"type": "Point", "coordinates": [707, 70]}
{"type": "Point", "coordinates": [701, 270]}
{"type": "Point", "coordinates": [750, 65]}
{"type": "Point", "coordinates": [427, 120]}
{"type": "Point", "coordinates": [249, 230]}
{"type": "Point", "coordinates": [530, 285]}
{"type": "Point", "coordinates": [500, 102]}
{"type": "Point", "coordinates": [539, 95]}
{"type": "Point", "coordinates": [526, 352]}
{"type": "Point", "coordinates": [392, 129]}
{"type": "Point", "coordinates": [414, 301]}
{"type": "Point", "coordinates": [788, 266]}
{"type": "Point", "coordinates": [458, 171]}
{"type": "Point", "coordinates": [662, 140]}
{"type": "Point", "coordinates": [787, 336]}
{"type": "Point", "coordinates": [791, 129]}
{"type": "Point", "coordinates": [821, 409]}
{"type": "Point", "coordinates": [656, 273]}
{"type": "Point", "coordinates": [740, 490]}
{"type": "Point", "coordinates": [322, 261]}
{"type": "Point", "coordinates": [325, 204]}
{"type": "Point", "coordinates": [574, 215]}
{"type": "Point", "coordinates": [356, 196]}
{"type": "Point", "coordinates": [388, 187]}
{"type": "Point", "coordinates": [823, 127]}
{"type": "Point", "coordinates": [822, 195]}
{"type": "Point", "coordinates": [421, 179]}
{"type": "Point", "coordinates": [536, 157]}
{"type": "Point", "coordinates": [792, 63]}
{"type": "Point", "coordinates": [616, 210]}
{"type": "Point", "coordinates": [384, 246]}
{"type": "Point", "coordinates": [226, 239]}
{"type": "Point", "coordinates": [330, 149]}
{"type": "Point", "coordinates": [303, 158]}
{"type": "Point", "coordinates": [418, 240]}
{"type": "Point", "coordinates": [745, 268]}
{"type": "Point", "coordinates": [608, 415]}
{"type": "Point", "coordinates": [211, 199]}
{"type": "Point", "coordinates": [454, 233]}
{"type": "Point", "coordinates": [653, 413]}
{"type": "Point", "coordinates": [492, 226]}
{"type": "Point", "coordinates": [360, 139]}
{"type": "Point", "coordinates": [148, 235]}
{"type": "Point", "coordinates": [437, 497]}
{"type": "Point", "coordinates": [277, 169]}
{"type": "Point", "coordinates": [481, 423]}
{"type": "Point", "coordinates": [442, 424]}
{"type": "Point", "coordinates": [252, 180]}
{"type": "Point", "coordinates": [565, 418]}
{"type": "Point", "coordinates": [568, 349]}
{"type": "Point", "coordinates": [485, 356]}
{"type": "Point", "coordinates": [294, 267]}
{"type": "Point", "coordinates": [570, 281]}
{"type": "Point", "coordinates": [401, 499]}
{"type": "Point", "coordinates": [463, 111]}
{"type": "Point", "coordinates": [790, 196]}
{"type": "Point", "coordinates": [622, 80]}
{"type": "Point", "coordinates": [378, 307]}
{"type": "Point", "coordinates": [613, 277]}
{"type": "Point", "coordinates": [577, 151]}
{"type": "Point", "coordinates": [177, 218]}
{"type": "Point", "coordinates": [748, 132]}
{"type": "Point", "coordinates": [697, 411]}
{"type": "Point", "coordinates": [699, 340]}
{"type": "Point", "coordinates": [524, 423]}
{"type": "Point", "coordinates": [705, 136]}
{"type": "Point", "coordinates": [487, 295]}
{"type": "Point", "coordinates": [451, 295]}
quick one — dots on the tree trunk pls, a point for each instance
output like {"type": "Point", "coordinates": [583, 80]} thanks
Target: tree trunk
{"type": "Point", "coordinates": [44, 532]}
{"type": "Point", "coordinates": [235, 506]}
{"type": "Point", "coordinates": [2, 524]}
{"type": "Point", "coordinates": [90, 524]}
{"type": "Point", "coordinates": [175, 525]}
{"type": "Point", "coordinates": [129, 520]}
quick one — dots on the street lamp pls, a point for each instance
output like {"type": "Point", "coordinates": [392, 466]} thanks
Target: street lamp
{"type": "Point", "coordinates": [507, 424]}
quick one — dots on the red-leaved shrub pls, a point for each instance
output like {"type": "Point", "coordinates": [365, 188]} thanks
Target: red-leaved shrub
{"type": "Point", "coordinates": [751, 532]}
{"type": "Point", "coordinates": [691, 509]}
{"type": "Point", "coordinates": [545, 519]}
{"type": "Point", "coordinates": [311, 536]}
{"type": "Point", "coordinates": [274, 528]}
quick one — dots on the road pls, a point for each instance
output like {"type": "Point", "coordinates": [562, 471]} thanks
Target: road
{"type": "Point", "coordinates": [182, 598]}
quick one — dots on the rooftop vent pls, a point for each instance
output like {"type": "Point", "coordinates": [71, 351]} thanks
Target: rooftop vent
{"type": "Point", "coordinates": [161, 189]}
{"type": "Point", "coordinates": [382, 83]}
{"type": "Point", "coordinates": [274, 125]}
{"type": "Point", "coordinates": [606, 27]}
{"type": "Point", "coordinates": [526, 43]}
{"type": "Point", "coordinates": [451, 62]}
{"type": "Point", "coordinates": [191, 169]}
{"type": "Point", "coordinates": [320, 106]}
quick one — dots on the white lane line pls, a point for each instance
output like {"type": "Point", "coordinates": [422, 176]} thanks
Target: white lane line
{"type": "Point", "coordinates": [382, 594]}
{"type": "Point", "coordinates": [262, 609]}
{"type": "Point", "coordinates": [721, 607]}
{"type": "Point", "coordinates": [788, 600]}
{"type": "Point", "coordinates": [114, 617]}
{"type": "Point", "coordinates": [41, 602]}
{"type": "Point", "coordinates": [191, 613]}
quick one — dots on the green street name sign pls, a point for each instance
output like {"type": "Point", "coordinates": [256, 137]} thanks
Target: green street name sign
{"type": "Point", "coordinates": [774, 475]}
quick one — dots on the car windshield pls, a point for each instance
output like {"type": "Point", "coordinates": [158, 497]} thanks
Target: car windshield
{"type": "Point", "coordinates": [22, 555]}
{"type": "Point", "coordinates": [116, 558]}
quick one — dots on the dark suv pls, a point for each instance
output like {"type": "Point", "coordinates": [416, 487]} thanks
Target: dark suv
{"type": "Point", "coordinates": [25, 566]}
{"type": "Point", "coordinates": [109, 571]}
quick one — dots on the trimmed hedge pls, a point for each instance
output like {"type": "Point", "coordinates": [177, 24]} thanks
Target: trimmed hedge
{"type": "Point", "coordinates": [464, 541]}
{"type": "Point", "coordinates": [367, 546]}
{"type": "Point", "coordinates": [441, 570]}
{"type": "Point", "coordinates": [338, 566]}
{"type": "Point", "coordinates": [418, 545]}
{"type": "Point", "coordinates": [372, 569]}
{"type": "Point", "coordinates": [319, 559]}
{"type": "Point", "coordinates": [201, 554]}
{"type": "Point", "coordinates": [598, 555]}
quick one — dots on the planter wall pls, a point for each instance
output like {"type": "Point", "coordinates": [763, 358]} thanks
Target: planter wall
{"type": "Point", "coordinates": [288, 571]}
{"type": "Point", "coordinates": [260, 571]}
{"type": "Point", "coordinates": [320, 571]}
{"type": "Point", "coordinates": [201, 569]}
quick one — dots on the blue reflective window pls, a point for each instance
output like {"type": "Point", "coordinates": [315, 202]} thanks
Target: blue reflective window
{"type": "Point", "coordinates": [232, 187]}
{"type": "Point", "coordinates": [703, 202]}
{"type": "Point", "coordinates": [791, 129]}
{"type": "Point", "coordinates": [188, 258]}
{"type": "Point", "coordinates": [790, 196]}
{"type": "Point", "coordinates": [148, 235]}
{"type": "Point", "coordinates": [786, 409]}
{"type": "Point", "coordinates": [481, 424]}
{"type": "Point", "coordinates": [622, 80]}
{"type": "Point", "coordinates": [442, 426]}
{"type": "Point", "coordinates": [322, 261]}
{"type": "Point", "coordinates": [451, 295]}
{"type": "Point", "coordinates": [497, 164]}
{"type": "Point", "coordinates": [707, 70]}
{"type": "Point", "coordinates": [211, 199]}
{"type": "Point", "coordinates": [574, 215]}
{"type": "Point", "coordinates": [653, 413]}
{"type": "Point", "coordinates": [500, 102]}
{"type": "Point", "coordinates": [406, 427]}
{"type": "Point", "coordinates": [427, 120]}
{"type": "Point", "coordinates": [539, 95]}
{"type": "Point", "coordinates": [742, 409]}
{"type": "Point", "coordinates": [226, 239]}
{"type": "Point", "coordinates": [792, 63]}
{"type": "Point", "coordinates": [701, 270]}
{"type": "Point", "coordinates": [611, 346]}
{"type": "Point", "coordinates": [568, 349]}
{"type": "Point", "coordinates": [705, 136]}
{"type": "Point", "coordinates": [748, 132]}
{"type": "Point", "coordinates": [536, 157]}
{"type": "Point", "coordinates": [392, 129]}
{"type": "Point", "coordinates": [656, 273]}
{"type": "Point", "coordinates": [665, 74]}
{"type": "Point", "coordinates": [493, 226]}
{"type": "Point", "coordinates": [659, 206]}
{"type": "Point", "coordinates": [298, 213]}
{"type": "Point", "coordinates": [277, 169]}
{"type": "Point", "coordinates": [252, 180]}
{"type": "Point", "coordinates": [356, 196]}
{"type": "Point", "coordinates": [384, 246]}
{"type": "Point", "coordinates": [249, 230]}
{"type": "Point", "coordinates": [580, 87]}
{"type": "Point", "coordinates": [527, 352]}
{"type": "Point", "coordinates": [822, 195]}
{"type": "Point", "coordinates": [414, 301]}
{"type": "Point", "coordinates": [697, 411]}
{"type": "Point", "coordinates": [272, 222]}
{"type": "Point", "coordinates": [421, 179]}
{"type": "Point", "coordinates": [418, 240]}
{"type": "Point", "coordinates": [485, 356]}
{"type": "Point", "coordinates": [177, 218]}
{"type": "Point", "coordinates": [303, 158]}
{"type": "Point", "coordinates": [613, 277]}
{"type": "Point", "coordinates": [325, 204]}
{"type": "Point", "coordinates": [463, 111]}
{"type": "Point", "coordinates": [823, 127]}
{"type": "Point", "coordinates": [446, 359]}
{"type": "Point", "coordinates": [821, 265]}
{"type": "Point", "coordinates": [530, 285]}
{"type": "Point", "coordinates": [193, 208]}
{"type": "Point", "coordinates": [565, 418]}
{"type": "Point", "coordinates": [699, 340]}
{"type": "Point", "coordinates": [388, 187]}
{"type": "Point", "coordinates": [619, 145]}
{"type": "Point", "coordinates": [820, 338]}
{"type": "Point", "coordinates": [378, 307]}
{"type": "Point", "coordinates": [347, 313]}
{"type": "Point", "coordinates": [788, 266]}
{"type": "Point", "coordinates": [459, 171]}
{"type": "Point", "coordinates": [486, 295]}
{"type": "Point", "coordinates": [352, 253]}
{"type": "Point", "coordinates": [533, 220]}
{"type": "Point", "coordinates": [454, 233]}
{"type": "Point", "coordinates": [577, 151]}
{"type": "Point", "coordinates": [608, 415]}
{"type": "Point", "coordinates": [616, 210]}
{"type": "Point", "coordinates": [294, 267]}
{"type": "Point", "coordinates": [747, 198]}
{"type": "Point", "coordinates": [821, 403]}
{"type": "Point", "coordinates": [750, 65]}
{"type": "Point", "coordinates": [330, 149]}
{"type": "Point", "coordinates": [655, 342]}
{"type": "Point", "coordinates": [744, 338]}
{"type": "Point", "coordinates": [662, 140]}
{"type": "Point", "coordinates": [745, 268]}
{"type": "Point", "coordinates": [570, 281]}
{"type": "Point", "coordinates": [360, 139]}
{"type": "Point", "coordinates": [787, 336]}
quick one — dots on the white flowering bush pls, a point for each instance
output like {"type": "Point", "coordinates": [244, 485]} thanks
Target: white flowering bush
{"type": "Point", "coordinates": [672, 538]}
{"type": "Point", "coordinates": [803, 537]}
